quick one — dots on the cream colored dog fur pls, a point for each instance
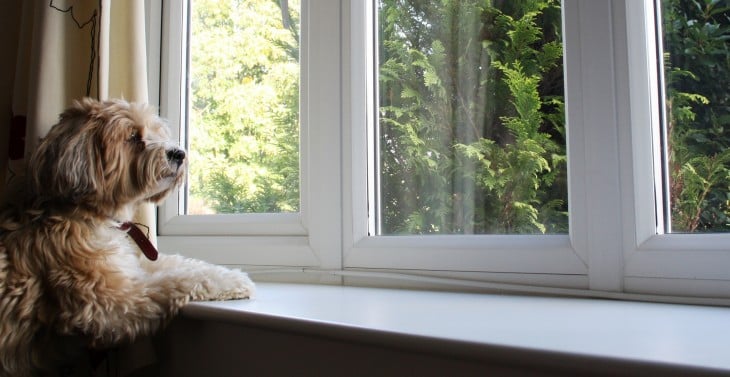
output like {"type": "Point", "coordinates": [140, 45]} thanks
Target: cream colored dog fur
{"type": "Point", "coordinates": [67, 270]}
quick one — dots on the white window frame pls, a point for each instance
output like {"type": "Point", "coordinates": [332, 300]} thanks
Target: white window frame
{"type": "Point", "coordinates": [612, 245]}
{"type": "Point", "coordinates": [682, 264]}
{"type": "Point", "coordinates": [301, 239]}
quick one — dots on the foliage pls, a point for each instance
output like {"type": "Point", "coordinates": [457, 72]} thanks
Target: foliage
{"type": "Point", "coordinates": [244, 107]}
{"type": "Point", "coordinates": [697, 74]}
{"type": "Point", "coordinates": [472, 124]}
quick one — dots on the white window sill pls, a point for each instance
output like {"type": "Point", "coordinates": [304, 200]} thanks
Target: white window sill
{"type": "Point", "coordinates": [678, 337]}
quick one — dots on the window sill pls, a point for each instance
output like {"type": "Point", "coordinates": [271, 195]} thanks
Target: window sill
{"type": "Point", "coordinates": [574, 331]}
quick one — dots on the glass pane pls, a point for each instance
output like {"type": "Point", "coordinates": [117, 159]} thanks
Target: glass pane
{"type": "Point", "coordinates": [696, 39]}
{"type": "Point", "coordinates": [243, 106]}
{"type": "Point", "coordinates": [471, 129]}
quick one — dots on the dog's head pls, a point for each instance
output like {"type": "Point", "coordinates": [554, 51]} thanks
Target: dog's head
{"type": "Point", "coordinates": [106, 155]}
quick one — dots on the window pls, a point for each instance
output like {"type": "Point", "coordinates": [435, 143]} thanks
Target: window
{"type": "Point", "coordinates": [696, 62]}
{"type": "Point", "coordinates": [655, 259]}
{"type": "Point", "coordinates": [243, 107]}
{"type": "Point", "coordinates": [470, 129]}
{"type": "Point", "coordinates": [611, 238]}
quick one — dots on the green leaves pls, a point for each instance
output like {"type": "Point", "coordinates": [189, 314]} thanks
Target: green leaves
{"type": "Point", "coordinates": [697, 74]}
{"type": "Point", "coordinates": [700, 175]}
{"type": "Point", "coordinates": [525, 99]}
{"type": "Point", "coordinates": [243, 120]}
{"type": "Point", "coordinates": [472, 122]}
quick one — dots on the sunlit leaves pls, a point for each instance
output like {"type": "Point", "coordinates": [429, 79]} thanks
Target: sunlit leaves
{"type": "Point", "coordinates": [244, 102]}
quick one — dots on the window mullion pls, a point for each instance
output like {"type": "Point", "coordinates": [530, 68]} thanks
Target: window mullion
{"type": "Point", "coordinates": [322, 129]}
{"type": "Point", "coordinates": [593, 153]}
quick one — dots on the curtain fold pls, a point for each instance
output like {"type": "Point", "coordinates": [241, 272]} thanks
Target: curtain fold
{"type": "Point", "coordinates": [69, 49]}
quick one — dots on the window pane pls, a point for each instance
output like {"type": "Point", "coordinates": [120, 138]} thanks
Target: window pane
{"type": "Point", "coordinates": [243, 106]}
{"type": "Point", "coordinates": [697, 107]}
{"type": "Point", "coordinates": [471, 129]}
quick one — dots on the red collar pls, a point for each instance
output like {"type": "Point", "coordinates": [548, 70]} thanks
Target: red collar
{"type": "Point", "coordinates": [148, 249]}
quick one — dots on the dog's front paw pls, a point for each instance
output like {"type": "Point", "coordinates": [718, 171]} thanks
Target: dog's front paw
{"type": "Point", "coordinates": [225, 284]}
{"type": "Point", "coordinates": [239, 286]}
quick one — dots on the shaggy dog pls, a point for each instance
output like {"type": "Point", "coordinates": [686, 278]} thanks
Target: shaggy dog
{"type": "Point", "coordinates": [70, 264]}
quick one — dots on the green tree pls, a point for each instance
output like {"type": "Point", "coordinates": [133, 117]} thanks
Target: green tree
{"type": "Point", "coordinates": [697, 74]}
{"type": "Point", "coordinates": [244, 106]}
{"type": "Point", "coordinates": [472, 124]}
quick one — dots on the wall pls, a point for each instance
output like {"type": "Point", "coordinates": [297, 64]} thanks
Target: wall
{"type": "Point", "coordinates": [206, 348]}
{"type": "Point", "coordinates": [10, 19]}
{"type": "Point", "coordinates": [192, 347]}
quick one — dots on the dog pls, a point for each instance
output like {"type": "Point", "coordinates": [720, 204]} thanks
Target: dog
{"type": "Point", "coordinates": [72, 263]}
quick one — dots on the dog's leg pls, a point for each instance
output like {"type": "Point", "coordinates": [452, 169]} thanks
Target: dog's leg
{"type": "Point", "coordinates": [108, 315]}
{"type": "Point", "coordinates": [122, 308]}
{"type": "Point", "coordinates": [19, 350]}
{"type": "Point", "coordinates": [173, 276]}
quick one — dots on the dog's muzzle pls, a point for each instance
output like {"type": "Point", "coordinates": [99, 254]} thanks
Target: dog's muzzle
{"type": "Point", "coordinates": [176, 155]}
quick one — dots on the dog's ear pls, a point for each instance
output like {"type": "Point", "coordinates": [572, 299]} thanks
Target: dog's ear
{"type": "Point", "coordinates": [66, 166]}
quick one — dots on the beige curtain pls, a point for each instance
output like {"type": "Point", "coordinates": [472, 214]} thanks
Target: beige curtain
{"type": "Point", "coordinates": [68, 49]}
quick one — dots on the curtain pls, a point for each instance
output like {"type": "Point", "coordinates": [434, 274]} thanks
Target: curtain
{"type": "Point", "coordinates": [68, 49]}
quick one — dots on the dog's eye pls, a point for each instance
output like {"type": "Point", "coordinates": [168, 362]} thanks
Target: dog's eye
{"type": "Point", "coordinates": [135, 137]}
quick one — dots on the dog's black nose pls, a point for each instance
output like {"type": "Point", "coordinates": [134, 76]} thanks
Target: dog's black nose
{"type": "Point", "coordinates": [176, 155]}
